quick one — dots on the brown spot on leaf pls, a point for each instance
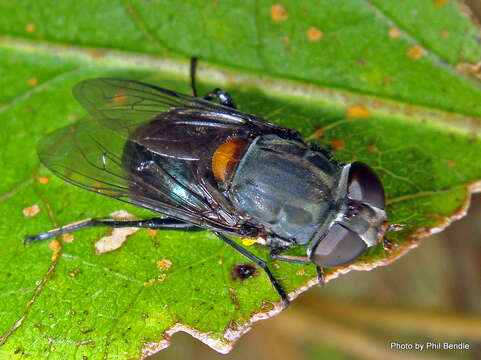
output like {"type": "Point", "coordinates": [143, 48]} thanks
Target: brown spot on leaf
{"type": "Point", "coordinates": [416, 52]}
{"type": "Point", "coordinates": [439, 3]}
{"type": "Point", "coordinates": [243, 271]}
{"type": "Point", "coordinates": [267, 306]}
{"type": "Point", "coordinates": [279, 12]}
{"type": "Point", "coordinates": [32, 81]}
{"type": "Point", "coordinates": [43, 180]}
{"type": "Point", "coordinates": [357, 111]}
{"type": "Point", "coordinates": [71, 117]}
{"type": "Point", "coordinates": [31, 210]}
{"type": "Point", "coordinates": [301, 272]}
{"type": "Point", "coordinates": [164, 264]}
{"type": "Point", "coordinates": [152, 232]}
{"type": "Point", "coordinates": [74, 272]}
{"type": "Point", "coordinates": [444, 34]}
{"type": "Point", "coordinates": [337, 144]}
{"type": "Point", "coordinates": [451, 163]}
{"type": "Point", "coordinates": [371, 148]}
{"type": "Point", "coordinates": [314, 34]}
{"type": "Point", "coordinates": [286, 40]}
{"type": "Point", "coordinates": [470, 69]}
{"type": "Point", "coordinates": [394, 32]}
{"type": "Point", "coordinates": [68, 238]}
{"type": "Point", "coordinates": [30, 28]}
{"type": "Point", "coordinates": [234, 298]}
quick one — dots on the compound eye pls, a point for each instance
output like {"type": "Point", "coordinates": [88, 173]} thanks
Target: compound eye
{"type": "Point", "coordinates": [339, 247]}
{"type": "Point", "coordinates": [364, 185]}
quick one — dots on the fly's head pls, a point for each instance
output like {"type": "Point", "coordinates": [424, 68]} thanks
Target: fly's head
{"type": "Point", "coordinates": [357, 222]}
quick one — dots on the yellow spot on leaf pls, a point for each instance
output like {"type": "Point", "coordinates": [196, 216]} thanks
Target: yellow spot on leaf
{"type": "Point", "coordinates": [71, 117]}
{"type": "Point", "coordinates": [248, 242]}
{"type": "Point", "coordinates": [43, 180]}
{"type": "Point", "coordinates": [286, 40]}
{"type": "Point", "coordinates": [31, 210]}
{"type": "Point", "coordinates": [152, 232]}
{"type": "Point", "coordinates": [68, 238]}
{"type": "Point", "coordinates": [314, 34]}
{"type": "Point", "coordinates": [439, 3]}
{"type": "Point", "coordinates": [278, 12]}
{"type": "Point", "coordinates": [301, 272]}
{"type": "Point", "coordinates": [74, 272]}
{"type": "Point", "coordinates": [161, 277]}
{"type": "Point", "coordinates": [32, 81]}
{"type": "Point", "coordinates": [54, 245]}
{"type": "Point", "coordinates": [30, 28]}
{"type": "Point", "coordinates": [416, 52]}
{"type": "Point", "coordinates": [149, 282]}
{"type": "Point", "coordinates": [357, 111]}
{"type": "Point", "coordinates": [470, 69]}
{"type": "Point", "coordinates": [444, 34]}
{"type": "Point", "coordinates": [451, 163]}
{"type": "Point", "coordinates": [220, 261]}
{"type": "Point", "coordinates": [394, 32]}
{"type": "Point", "coordinates": [164, 264]}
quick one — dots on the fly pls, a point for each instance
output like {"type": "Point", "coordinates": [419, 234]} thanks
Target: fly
{"type": "Point", "coordinates": [206, 165]}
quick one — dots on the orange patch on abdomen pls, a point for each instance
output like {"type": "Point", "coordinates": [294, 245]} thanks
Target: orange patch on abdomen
{"type": "Point", "coordinates": [226, 157]}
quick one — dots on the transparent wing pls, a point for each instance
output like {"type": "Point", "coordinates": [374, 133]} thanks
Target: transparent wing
{"type": "Point", "coordinates": [121, 105]}
{"type": "Point", "coordinates": [94, 157]}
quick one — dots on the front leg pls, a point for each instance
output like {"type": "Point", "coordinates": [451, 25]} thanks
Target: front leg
{"type": "Point", "coordinates": [297, 260]}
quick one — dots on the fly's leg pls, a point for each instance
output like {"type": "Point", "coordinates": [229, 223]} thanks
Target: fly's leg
{"type": "Point", "coordinates": [291, 258]}
{"type": "Point", "coordinates": [320, 276]}
{"type": "Point", "coordinates": [193, 67]}
{"type": "Point", "coordinates": [223, 97]}
{"type": "Point", "coordinates": [155, 223]}
{"type": "Point", "coordinates": [299, 260]}
{"type": "Point", "coordinates": [258, 262]}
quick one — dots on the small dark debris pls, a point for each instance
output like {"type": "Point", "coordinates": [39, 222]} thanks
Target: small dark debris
{"type": "Point", "coordinates": [86, 331]}
{"type": "Point", "coordinates": [243, 271]}
{"type": "Point", "coordinates": [144, 316]}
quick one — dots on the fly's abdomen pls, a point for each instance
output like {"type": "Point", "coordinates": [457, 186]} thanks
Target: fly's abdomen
{"type": "Point", "coordinates": [285, 186]}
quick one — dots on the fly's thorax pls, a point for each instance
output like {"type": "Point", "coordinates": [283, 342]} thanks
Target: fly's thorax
{"type": "Point", "coordinates": [285, 186]}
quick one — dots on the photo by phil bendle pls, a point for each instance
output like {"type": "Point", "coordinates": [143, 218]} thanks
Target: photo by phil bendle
{"type": "Point", "coordinates": [206, 165]}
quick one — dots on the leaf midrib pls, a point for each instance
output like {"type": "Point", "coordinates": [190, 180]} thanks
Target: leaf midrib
{"type": "Point", "coordinates": [175, 67]}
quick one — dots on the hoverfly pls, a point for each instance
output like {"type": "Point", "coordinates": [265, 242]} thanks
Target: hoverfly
{"type": "Point", "coordinates": [202, 164]}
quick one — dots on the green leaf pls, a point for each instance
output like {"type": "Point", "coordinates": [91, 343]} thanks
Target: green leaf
{"type": "Point", "coordinates": [389, 83]}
